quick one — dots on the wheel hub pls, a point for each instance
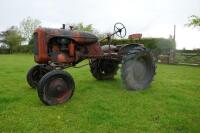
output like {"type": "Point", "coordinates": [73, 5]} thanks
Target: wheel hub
{"type": "Point", "coordinates": [57, 88]}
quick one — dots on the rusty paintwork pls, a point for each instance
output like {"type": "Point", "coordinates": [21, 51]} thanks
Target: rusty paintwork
{"type": "Point", "coordinates": [86, 42]}
{"type": "Point", "coordinates": [78, 37]}
{"type": "Point", "coordinates": [77, 46]}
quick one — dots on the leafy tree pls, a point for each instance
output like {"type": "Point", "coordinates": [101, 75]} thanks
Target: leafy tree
{"type": "Point", "coordinates": [12, 38]}
{"type": "Point", "coordinates": [27, 27]}
{"type": "Point", "coordinates": [194, 21]}
{"type": "Point", "coordinates": [87, 28]}
{"type": "Point", "coordinates": [82, 27]}
{"type": "Point", "coordinates": [31, 41]}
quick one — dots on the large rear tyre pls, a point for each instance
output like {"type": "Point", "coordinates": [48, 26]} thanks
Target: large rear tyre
{"type": "Point", "coordinates": [103, 69]}
{"type": "Point", "coordinates": [35, 74]}
{"type": "Point", "coordinates": [56, 87]}
{"type": "Point", "coordinates": [138, 68]}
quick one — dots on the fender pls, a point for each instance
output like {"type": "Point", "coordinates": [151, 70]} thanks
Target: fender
{"type": "Point", "coordinates": [127, 47]}
{"type": "Point", "coordinates": [106, 48]}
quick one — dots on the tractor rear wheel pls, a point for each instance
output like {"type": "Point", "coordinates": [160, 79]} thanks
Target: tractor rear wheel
{"type": "Point", "coordinates": [56, 87]}
{"type": "Point", "coordinates": [103, 69]}
{"type": "Point", "coordinates": [36, 73]}
{"type": "Point", "coordinates": [138, 68]}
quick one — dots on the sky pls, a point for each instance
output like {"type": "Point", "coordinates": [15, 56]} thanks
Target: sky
{"type": "Point", "coordinates": [152, 18]}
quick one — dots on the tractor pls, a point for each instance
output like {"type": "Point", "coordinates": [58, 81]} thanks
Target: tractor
{"type": "Point", "coordinates": [58, 49]}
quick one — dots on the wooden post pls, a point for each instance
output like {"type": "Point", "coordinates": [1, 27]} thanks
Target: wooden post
{"type": "Point", "coordinates": [172, 52]}
{"type": "Point", "coordinates": [174, 33]}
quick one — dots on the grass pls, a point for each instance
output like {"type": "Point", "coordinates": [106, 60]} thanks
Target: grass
{"type": "Point", "coordinates": [170, 104]}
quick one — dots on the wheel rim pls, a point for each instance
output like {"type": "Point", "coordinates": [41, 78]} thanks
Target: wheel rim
{"type": "Point", "coordinates": [37, 74]}
{"type": "Point", "coordinates": [57, 91]}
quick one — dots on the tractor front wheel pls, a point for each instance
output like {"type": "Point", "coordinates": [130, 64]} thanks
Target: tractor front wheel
{"type": "Point", "coordinates": [56, 87]}
{"type": "Point", "coordinates": [36, 73]}
{"type": "Point", "coordinates": [138, 68]}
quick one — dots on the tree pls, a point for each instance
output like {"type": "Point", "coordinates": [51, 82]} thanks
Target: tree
{"type": "Point", "coordinates": [194, 21]}
{"type": "Point", "coordinates": [27, 27]}
{"type": "Point", "coordinates": [12, 38]}
{"type": "Point", "coordinates": [87, 28]}
{"type": "Point", "coordinates": [82, 27]}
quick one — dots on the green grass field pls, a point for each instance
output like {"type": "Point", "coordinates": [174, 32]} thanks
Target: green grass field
{"type": "Point", "coordinates": [170, 104]}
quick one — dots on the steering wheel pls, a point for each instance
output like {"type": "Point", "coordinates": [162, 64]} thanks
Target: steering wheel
{"type": "Point", "coordinates": [120, 29]}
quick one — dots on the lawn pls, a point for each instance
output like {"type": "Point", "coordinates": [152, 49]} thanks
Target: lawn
{"type": "Point", "coordinates": [170, 104]}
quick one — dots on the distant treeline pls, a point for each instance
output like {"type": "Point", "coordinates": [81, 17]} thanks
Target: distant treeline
{"type": "Point", "coordinates": [17, 49]}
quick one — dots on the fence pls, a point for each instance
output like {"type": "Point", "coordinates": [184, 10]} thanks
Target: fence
{"type": "Point", "coordinates": [188, 57]}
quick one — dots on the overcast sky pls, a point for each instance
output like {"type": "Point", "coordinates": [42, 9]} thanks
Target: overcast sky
{"type": "Point", "coordinates": [152, 18]}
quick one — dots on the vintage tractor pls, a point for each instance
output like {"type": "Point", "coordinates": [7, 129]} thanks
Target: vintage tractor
{"type": "Point", "coordinates": [57, 49]}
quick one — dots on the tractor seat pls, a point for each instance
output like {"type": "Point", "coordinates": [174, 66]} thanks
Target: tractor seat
{"type": "Point", "coordinates": [81, 38]}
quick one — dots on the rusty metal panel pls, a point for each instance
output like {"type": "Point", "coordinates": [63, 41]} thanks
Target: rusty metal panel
{"type": "Point", "coordinates": [78, 37]}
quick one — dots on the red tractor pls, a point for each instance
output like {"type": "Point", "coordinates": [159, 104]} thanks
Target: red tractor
{"type": "Point", "coordinates": [57, 49]}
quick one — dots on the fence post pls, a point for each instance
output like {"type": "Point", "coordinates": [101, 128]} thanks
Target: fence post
{"type": "Point", "coordinates": [172, 54]}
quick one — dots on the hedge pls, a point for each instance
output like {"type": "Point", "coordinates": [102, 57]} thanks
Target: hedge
{"type": "Point", "coordinates": [4, 51]}
{"type": "Point", "coordinates": [18, 49]}
{"type": "Point", "coordinates": [24, 49]}
{"type": "Point", "coordinates": [160, 44]}
{"type": "Point", "coordinates": [156, 45]}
